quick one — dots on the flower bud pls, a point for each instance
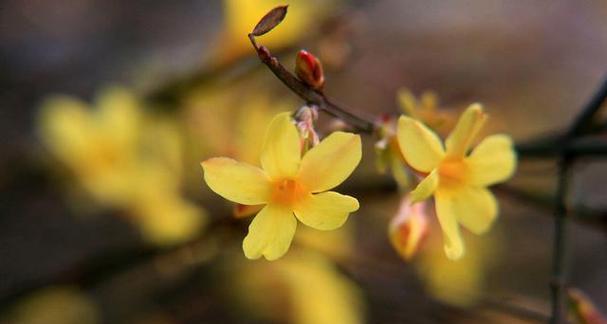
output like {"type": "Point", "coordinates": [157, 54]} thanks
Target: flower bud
{"type": "Point", "coordinates": [408, 228]}
{"type": "Point", "coordinates": [309, 69]}
{"type": "Point", "coordinates": [306, 116]}
{"type": "Point", "coordinates": [583, 309]}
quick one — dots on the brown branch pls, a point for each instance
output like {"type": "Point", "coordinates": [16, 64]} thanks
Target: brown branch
{"type": "Point", "coordinates": [566, 160]}
{"type": "Point", "coordinates": [311, 96]}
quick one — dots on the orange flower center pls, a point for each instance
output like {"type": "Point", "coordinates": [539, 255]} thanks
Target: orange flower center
{"type": "Point", "coordinates": [287, 192]}
{"type": "Point", "coordinates": [452, 172]}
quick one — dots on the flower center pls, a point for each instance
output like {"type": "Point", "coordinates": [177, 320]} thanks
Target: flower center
{"type": "Point", "coordinates": [452, 172]}
{"type": "Point", "coordinates": [287, 192]}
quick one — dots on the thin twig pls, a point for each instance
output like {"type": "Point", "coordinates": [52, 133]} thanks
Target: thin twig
{"type": "Point", "coordinates": [308, 94]}
{"type": "Point", "coordinates": [555, 146]}
{"type": "Point", "coordinates": [586, 117]}
{"type": "Point", "coordinates": [577, 128]}
{"type": "Point", "coordinates": [557, 282]}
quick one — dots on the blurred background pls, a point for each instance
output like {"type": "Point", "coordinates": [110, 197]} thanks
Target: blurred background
{"type": "Point", "coordinates": [108, 107]}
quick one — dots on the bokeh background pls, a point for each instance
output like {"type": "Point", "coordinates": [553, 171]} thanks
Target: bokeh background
{"type": "Point", "coordinates": [104, 217]}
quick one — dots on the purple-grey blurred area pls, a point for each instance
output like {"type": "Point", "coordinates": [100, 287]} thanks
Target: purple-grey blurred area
{"type": "Point", "coordinates": [533, 64]}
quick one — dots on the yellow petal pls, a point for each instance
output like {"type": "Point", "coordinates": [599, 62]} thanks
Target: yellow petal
{"type": "Point", "coordinates": [407, 102]}
{"type": "Point", "coordinates": [237, 181]}
{"type": "Point", "coordinates": [468, 126]}
{"type": "Point", "coordinates": [454, 247]}
{"type": "Point", "coordinates": [270, 233]}
{"type": "Point", "coordinates": [325, 211]}
{"type": "Point", "coordinates": [66, 128]}
{"type": "Point", "coordinates": [330, 162]}
{"type": "Point", "coordinates": [281, 150]}
{"type": "Point", "coordinates": [492, 161]}
{"type": "Point", "coordinates": [426, 187]}
{"type": "Point", "coordinates": [119, 115]}
{"type": "Point", "coordinates": [475, 208]}
{"type": "Point", "coordinates": [168, 219]}
{"type": "Point", "coordinates": [420, 146]}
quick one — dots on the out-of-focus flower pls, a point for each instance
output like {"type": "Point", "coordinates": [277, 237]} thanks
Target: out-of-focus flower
{"type": "Point", "coordinates": [582, 309]}
{"type": "Point", "coordinates": [123, 159]}
{"type": "Point", "coordinates": [228, 121]}
{"type": "Point", "coordinates": [288, 184]}
{"type": "Point", "coordinates": [301, 288]}
{"type": "Point", "coordinates": [409, 228]}
{"type": "Point", "coordinates": [458, 180]}
{"type": "Point", "coordinates": [60, 304]}
{"type": "Point", "coordinates": [387, 153]}
{"type": "Point", "coordinates": [426, 110]}
{"type": "Point", "coordinates": [242, 15]}
{"type": "Point", "coordinates": [459, 283]}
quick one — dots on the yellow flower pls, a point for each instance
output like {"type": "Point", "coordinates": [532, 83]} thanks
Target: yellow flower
{"type": "Point", "coordinates": [426, 109]}
{"type": "Point", "coordinates": [55, 304]}
{"type": "Point", "coordinates": [288, 184]}
{"type": "Point", "coordinates": [458, 180]}
{"type": "Point", "coordinates": [286, 291]}
{"type": "Point", "coordinates": [123, 159]}
{"type": "Point", "coordinates": [461, 283]}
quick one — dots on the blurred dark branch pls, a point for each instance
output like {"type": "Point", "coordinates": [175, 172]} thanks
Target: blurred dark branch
{"type": "Point", "coordinates": [586, 118]}
{"type": "Point", "coordinates": [554, 146]}
{"type": "Point", "coordinates": [566, 160]}
{"type": "Point", "coordinates": [106, 265]}
{"type": "Point", "coordinates": [591, 217]}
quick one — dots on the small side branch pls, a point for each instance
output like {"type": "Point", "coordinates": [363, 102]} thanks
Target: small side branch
{"type": "Point", "coordinates": [311, 96]}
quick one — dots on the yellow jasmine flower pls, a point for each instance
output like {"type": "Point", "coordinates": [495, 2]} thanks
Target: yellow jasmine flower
{"type": "Point", "coordinates": [288, 184]}
{"type": "Point", "coordinates": [55, 304]}
{"type": "Point", "coordinates": [458, 179]}
{"type": "Point", "coordinates": [461, 283]}
{"type": "Point", "coordinates": [122, 158]}
{"type": "Point", "coordinates": [425, 109]}
{"type": "Point", "coordinates": [286, 291]}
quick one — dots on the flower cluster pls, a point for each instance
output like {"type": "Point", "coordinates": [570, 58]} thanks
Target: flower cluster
{"type": "Point", "coordinates": [457, 178]}
{"type": "Point", "coordinates": [293, 187]}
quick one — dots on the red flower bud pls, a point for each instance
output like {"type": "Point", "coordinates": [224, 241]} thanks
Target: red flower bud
{"type": "Point", "coordinates": [408, 229]}
{"type": "Point", "coordinates": [309, 69]}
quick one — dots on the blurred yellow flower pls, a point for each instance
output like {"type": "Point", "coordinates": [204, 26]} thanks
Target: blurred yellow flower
{"type": "Point", "coordinates": [242, 15]}
{"type": "Point", "coordinates": [227, 121]}
{"type": "Point", "coordinates": [458, 180]}
{"type": "Point", "coordinates": [459, 283]}
{"type": "Point", "coordinates": [288, 184]}
{"type": "Point", "coordinates": [61, 304]}
{"type": "Point", "coordinates": [582, 310]}
{"type": "Point", "coordinates": [425, 109]}
{"type": "Point", "coordinates": [123, 159]}
{"type": "Point", "coordinates": [302, 288]}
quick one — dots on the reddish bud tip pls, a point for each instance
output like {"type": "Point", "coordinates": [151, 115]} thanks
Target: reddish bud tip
{"type": "Point", "coordinates": [409, 229]}
{"type": "Point", "coordinates": [309, 69]}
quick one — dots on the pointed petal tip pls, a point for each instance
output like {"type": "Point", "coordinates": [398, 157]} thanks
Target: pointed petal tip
{"type": "Point", "coordinates": [454, 253]}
